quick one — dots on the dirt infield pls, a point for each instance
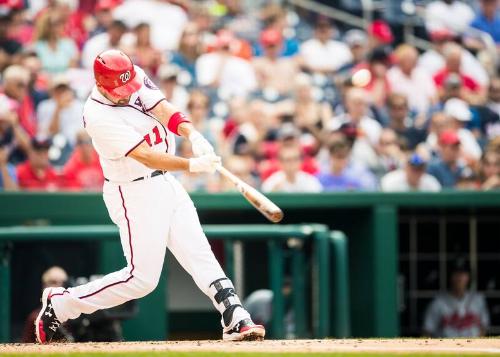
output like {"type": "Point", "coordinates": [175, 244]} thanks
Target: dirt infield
{"type": "Point", "coordinates": [454, 346]}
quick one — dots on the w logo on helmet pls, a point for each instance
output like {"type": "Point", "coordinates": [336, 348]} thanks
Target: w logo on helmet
{"type": "Point", "coordinates": [125, 76]}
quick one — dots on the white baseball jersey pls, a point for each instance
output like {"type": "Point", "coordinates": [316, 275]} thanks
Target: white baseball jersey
{"type": "Point", "coordinates": [117, 130]}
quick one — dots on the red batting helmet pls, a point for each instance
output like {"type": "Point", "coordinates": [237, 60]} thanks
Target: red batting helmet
{"type": "Point", "coordinates": [114, 73]}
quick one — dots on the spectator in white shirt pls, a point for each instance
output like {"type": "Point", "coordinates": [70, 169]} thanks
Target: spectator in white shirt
{"type": "Point", "coordinates": [412, 178]}
{"type": "Point", "coordinates": [459, 114]}
{"type": "Point", "coordinates": [450, 14]}
{"type": "Point", "coordinates": [61, 114]}
{"type": "Point", "coordinates": [290, 178]}
{"type": "Point", "coordinates": [233, 76]}
{"type": "Point", "coordinates": [102, 42]}
{"type": "Point", "coordinates": [408, 79]}
{"type": "Point", "coordinates": [321, 54]}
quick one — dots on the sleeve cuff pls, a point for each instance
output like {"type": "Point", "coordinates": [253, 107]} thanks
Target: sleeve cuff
{"type": "Point", "coordinates": [175, 120]}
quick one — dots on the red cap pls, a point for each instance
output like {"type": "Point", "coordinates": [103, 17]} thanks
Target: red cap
{"type": "Point", "coordinates": [449, 137]}
{"type": "Point", "coordinates": [114, 72]}
{"type": "Point", "coordinates": [381, 31]}
{"type": "Point", "coordinates": [270, 37]}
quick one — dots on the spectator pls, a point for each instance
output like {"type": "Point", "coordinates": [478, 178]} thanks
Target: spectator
{"type": "Point", "coordinates": [103, 41]}
{"type": "Point", "coordinates": [37, 83]}
{"type": "Point", "coordinates": [490, 170]}
{"type": "Point", "coordinates": [433, 60]}
{"type": "Point", "coordinates": [36, 173]}
{"type": "Point", "coordinates": [494, 95]}
{"type": "Point", "coordinates": [356, 114]}
{"type": "Point", "coordinates": [231, 75]}
{"type": "Point", "coordinates": [242, 166]}
{"type": "Point", "coordinates": [9, 48]}
{"type": "Point", "coordinates": [103, 16]}
{"type": "Point", "coordinates": [274, 72]}
{"type": "Point", "coordinates": [439, 123]}
{"type": "Point", "coordinates": [458, 312]}
{"type": "Point", "coordinates": [52, 277]}
{"type": "Point", "coordinates": [175, 93]}
{"type": "Point", "coordinates": [388, 152]}
{"type": "Point", "coordinates": [412, 178]}
{"type": "Point", "coordinates": [409, 132]}
{"type": "Point", "coordinates": [166, 19]}
{"type": "Point", "coordinates": [488, 19]}
{"type": "Point", "coordinates": [198, 107]}
{"type": "Point", "coordinates": [142, 51]}
{"type": "Point", "coordinates": [459, 114]}
{"type": "Point", "coordinates": [452, 75]}
{"type": "Point", "coordinates": [13, 138]}
{"type": "Point", "coordinates": [8, 179]}
{"type": "Point", "coordinates": [290, 178]}
{"type": "Point", "coordinates": [322, 54]}
{"type": "Point", "coordinates": [343, 174]}
{"type": "Point", "coordinates": [447, 167]}
{"type": "Point", "coordinates": [15, 86]}
{"type": "Point", "coordinates": [453, 15]}
{"type": "Point", "coordinates": [407, 78]}
{"type": "Point", "coordinates": [83, 170]}
{"type": "Point", "coordinates": [56, 52]}
{"type": "Point", "coordinates": [380, 34]}
{"type": "Point", "coordinates": [190, 48]}
{"type": "Point", "coordinates": [62, 113]}
{"type": "Point", "coordinates": [357, 41]}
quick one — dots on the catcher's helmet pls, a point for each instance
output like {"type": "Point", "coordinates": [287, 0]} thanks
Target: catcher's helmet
{"type": "Point", "coordinates": [114, 73]}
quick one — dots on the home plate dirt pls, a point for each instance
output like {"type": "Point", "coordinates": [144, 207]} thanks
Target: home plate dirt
{"type": "Point", "coordinates": [453, 346]}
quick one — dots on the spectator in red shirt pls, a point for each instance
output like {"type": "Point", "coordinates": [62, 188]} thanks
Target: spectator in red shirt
{"type": "Point", "coordinates": [83, 171]}
{"type": "Point", "coordinates": [37, 173]}
{"type": "Point", "coordinates": [15, 84]}
{"type": "Point", "coordinates": [452, 75]}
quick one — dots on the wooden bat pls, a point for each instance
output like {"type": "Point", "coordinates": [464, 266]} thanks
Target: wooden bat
{"type": "Point", "coordinates": [263, 204]}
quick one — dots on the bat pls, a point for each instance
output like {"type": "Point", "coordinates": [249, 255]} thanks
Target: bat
{"type": "Point", "coordinates": [263, 204]}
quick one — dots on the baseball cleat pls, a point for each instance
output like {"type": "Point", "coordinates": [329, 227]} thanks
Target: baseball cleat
{"type": "Point", "coordinates": [245, 330]}
{"type": "Point", "coordinates": [46, 323]}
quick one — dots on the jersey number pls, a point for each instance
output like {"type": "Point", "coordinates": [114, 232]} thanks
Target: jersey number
{"type": "Point", "coordinates": [157, 137]}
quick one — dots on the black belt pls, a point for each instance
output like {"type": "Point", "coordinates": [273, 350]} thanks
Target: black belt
{"type": "Point", "coordinates": [153, 174]}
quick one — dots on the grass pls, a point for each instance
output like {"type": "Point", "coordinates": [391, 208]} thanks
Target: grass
{"type": "Point", "coordinates": [239, 354]}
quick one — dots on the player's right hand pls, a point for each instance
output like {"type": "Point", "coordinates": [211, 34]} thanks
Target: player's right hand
{"type": "Point", "coordinates": [205, 163]}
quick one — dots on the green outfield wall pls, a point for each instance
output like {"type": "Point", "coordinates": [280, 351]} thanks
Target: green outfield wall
{"type": "Point", "coordinates": [369, 220]}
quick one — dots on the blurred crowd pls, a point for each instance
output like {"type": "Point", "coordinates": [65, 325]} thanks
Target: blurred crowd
{"type": "Point", "coordinates": [291, 101]}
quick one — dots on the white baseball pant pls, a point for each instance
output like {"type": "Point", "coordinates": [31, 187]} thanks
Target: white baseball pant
{"type": "Point", "coordinates": [151, 214]}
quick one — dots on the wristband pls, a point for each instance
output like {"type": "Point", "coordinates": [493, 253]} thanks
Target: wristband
{"type": "Point", "coordinates": [175, 120]}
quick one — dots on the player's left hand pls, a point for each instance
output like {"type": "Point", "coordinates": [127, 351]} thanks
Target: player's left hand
{"type": "Point", "coordinates": [200, 145]}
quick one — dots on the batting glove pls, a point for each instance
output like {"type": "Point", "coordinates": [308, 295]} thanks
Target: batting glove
{"type": "Point", "coordinates": [200, 145]}
{"type": "Point", "coordinates": [205, 163]}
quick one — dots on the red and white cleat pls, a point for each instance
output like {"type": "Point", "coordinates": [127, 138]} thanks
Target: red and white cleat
{"type": "Point", "coordinates": [46, 323]}
{"type": "Point", "coordinates": [245, 330]}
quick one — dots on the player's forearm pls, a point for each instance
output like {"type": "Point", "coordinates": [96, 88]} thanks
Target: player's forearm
{"type": "Point", "coordinates": [161, 161]}
{"type": "Point", "coordinates": [185, 129]}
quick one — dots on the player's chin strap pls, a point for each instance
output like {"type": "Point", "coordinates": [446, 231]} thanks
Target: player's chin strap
{"type": "Point", "coordinates": [224, 298]}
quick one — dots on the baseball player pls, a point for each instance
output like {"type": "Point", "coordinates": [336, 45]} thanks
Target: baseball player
{"type": "Point", "coordinates": [132, 127]}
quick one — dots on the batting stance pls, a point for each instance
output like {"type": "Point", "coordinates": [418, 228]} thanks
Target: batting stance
{"type": "Point", "coordinates": [132, 127]}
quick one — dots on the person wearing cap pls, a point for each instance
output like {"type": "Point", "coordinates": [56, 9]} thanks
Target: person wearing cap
{"type": "Point", "coordinates": [61, 113]}
{"type": "Point", "coordinates": [357, 40]}
{"type": "Point", "coordinates": [229, 74]}
{"type": "Point", "coordinates": [447, 168]}
{"type": "Point", "coordinates": [488, 19]}
{"type": "Point", "coordinates": [452, 15]}
{"type": "Point", "coordinates": [412, 178]}
{"type": "Point", "coordinates": [36, 174]}
{"type": "Point", "coordinates": [460, 116]}
{"type": "Point", "coordinates": [103, 41]}
{"type": "Point", "coordinates": [103, 16]}
{"type": "Point", "coordinates": [322, 54]}
{"type": "Point", "coordinates": [408, 79]}
{"type": "Point", "coordinates": [290, 178]}
{"type": "Point", "coordinates": [459, 311]}
{"type": "Point", "coordinates": [273, 71]}
{"type": "Point", "coordinates": [379, 34]}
